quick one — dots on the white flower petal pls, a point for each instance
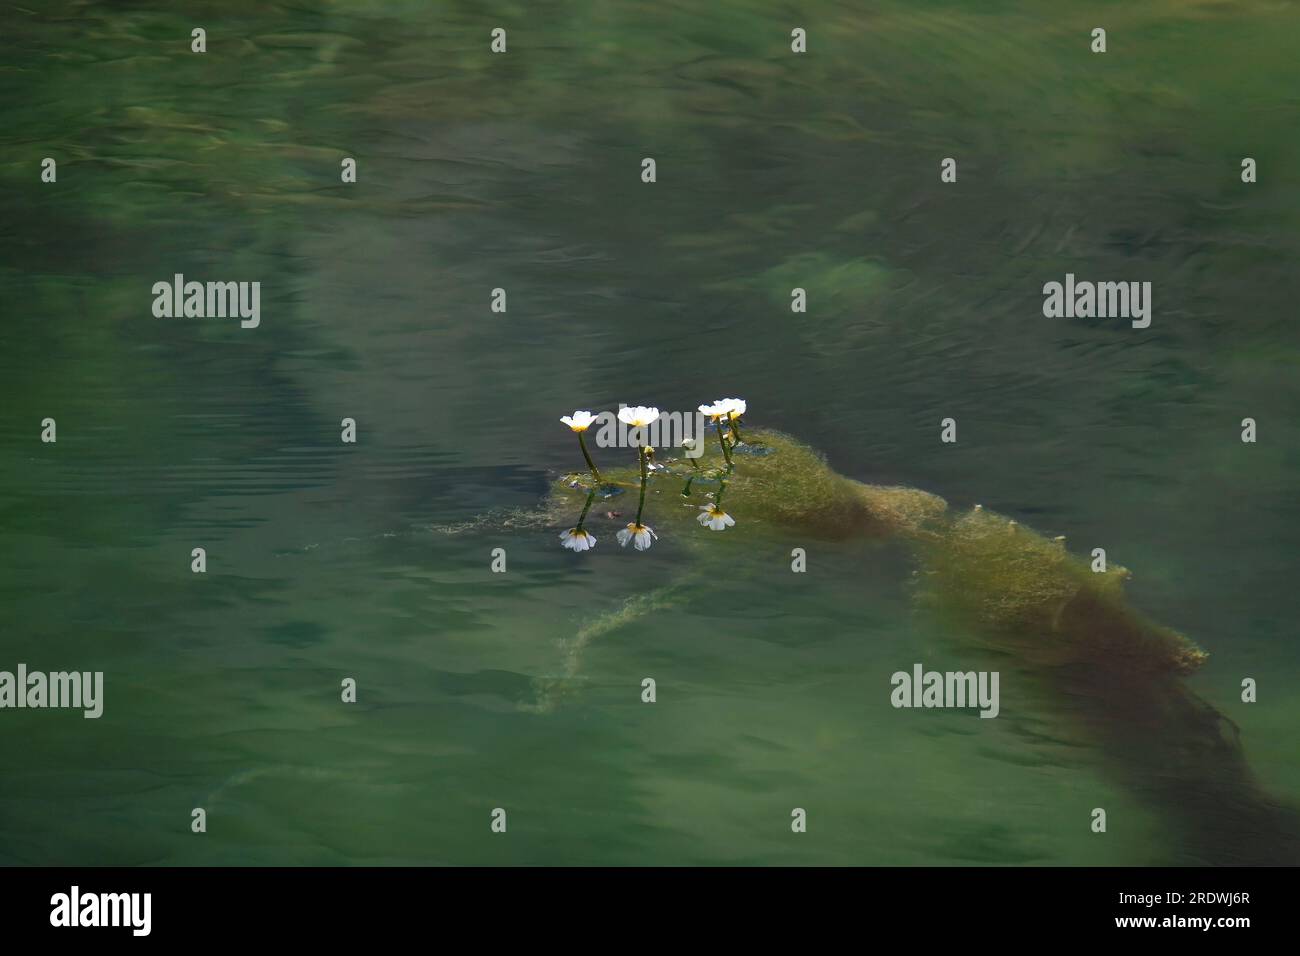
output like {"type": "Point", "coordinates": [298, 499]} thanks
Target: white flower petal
{"type": "Point", "coordinates": [578, 539]}
{"type": "Point", "coordinates": [637, 416]}
{"type": "Point", "coordinates": [579, 421]}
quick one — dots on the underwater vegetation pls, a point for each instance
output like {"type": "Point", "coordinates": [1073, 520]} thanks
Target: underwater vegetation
{"type": "Point", "coordinates": [1062, 622]}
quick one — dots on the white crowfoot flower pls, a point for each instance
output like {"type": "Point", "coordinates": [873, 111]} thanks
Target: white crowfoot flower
{"type": "Point", "coordinates": [578, 539]}
{"type": "Point", "coordinates": [735, 407]}
{"type": "Point", "coordinates": [642, 536]}
{"type": "Point", "coordinates": [714, 518]}
{"type": "Point", "coordinates": [638, 416]}
{"type": "Point", "coordinates": [579, 421]}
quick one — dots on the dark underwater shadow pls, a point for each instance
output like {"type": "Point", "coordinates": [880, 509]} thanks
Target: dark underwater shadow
{"type": "Point", "coordinates": [1184, 759]}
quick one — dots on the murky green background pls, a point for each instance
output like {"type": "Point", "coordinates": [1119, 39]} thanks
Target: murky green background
{"type": "Point", "coordinates": [522, 171]}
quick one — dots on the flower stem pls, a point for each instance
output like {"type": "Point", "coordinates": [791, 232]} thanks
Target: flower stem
{"type": "Point", "coordinates": [735, 430]}
{"type": "Point", "coordinates": [722, 489]}
{"type": "Point", "coordinates": [641, 505]}
{"type": "Point", "coordinates": [686, 492]}
{"type": "Point", "coordinates": [591, 495]}
{"type": "Point", "coordinates": [726, 452]}
{"type": "Point", "coordinates": [595, 472]}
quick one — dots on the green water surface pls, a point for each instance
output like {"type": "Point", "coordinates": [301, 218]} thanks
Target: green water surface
{"type": "Point", "coordinates": [522, 171]}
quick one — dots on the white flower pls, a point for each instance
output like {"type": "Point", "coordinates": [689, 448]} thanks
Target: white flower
{"type": "Point", "coordinates": [641, 535]}
{"type": "Point", "coordinates": [638, 416]}
{"type": "Point", "coordinates": [577, 539]}
{"type": "Point", "coordinates": [579, 421]}
{"type": "Point", "coordinates": [714, 519]}
{"type": "Point", "coordinates": [724, 408]}
{"type": "Point", "coordinates": [735, 407]}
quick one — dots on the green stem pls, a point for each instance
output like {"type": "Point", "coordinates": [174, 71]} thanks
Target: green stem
{"type": "Point", "coordinates": [722, 489]}
{"type": "Point", "coordinates": [591, 495]}
{"type": "Point", "coordinates": [686, 492]}
{"type": "Point", "coordinates": [726, 452]}
{"type": "Point", "coordinates": [735, 430]}
{"type": "Point", "coordinates": [595, 472]}
{"type": "Point", "coordinates": [641, 505]}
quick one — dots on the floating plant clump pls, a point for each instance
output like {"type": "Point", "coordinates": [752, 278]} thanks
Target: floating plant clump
{"type": "Point", "coordinates": [724, 415]}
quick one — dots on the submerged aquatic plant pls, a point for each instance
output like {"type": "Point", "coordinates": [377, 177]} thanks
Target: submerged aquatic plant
{"type": "Point", "coordinates": [1101, 668]}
